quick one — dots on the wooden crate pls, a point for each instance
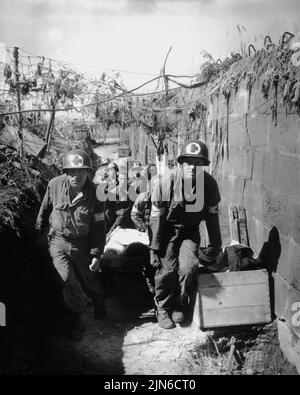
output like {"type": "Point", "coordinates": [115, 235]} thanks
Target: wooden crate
{"type": "Point", "coordinates": [232, 299]}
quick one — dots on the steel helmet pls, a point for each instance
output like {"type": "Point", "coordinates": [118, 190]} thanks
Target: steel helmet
{"type": "Point", "coordinates": [77, 159]}
{"type": "Point", "coordinates": [104, 161]}
{"type": "Point", "coordinates": [194, 149]}
{"type": "Point", "coordinates": [137, 166]}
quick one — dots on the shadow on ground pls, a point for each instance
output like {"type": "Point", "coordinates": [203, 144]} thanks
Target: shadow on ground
{"type": "Point", "coordinates": [100, 351]}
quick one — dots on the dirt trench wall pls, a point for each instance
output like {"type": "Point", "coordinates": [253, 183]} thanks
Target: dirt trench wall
{"type": "Point", "coordinates": [255, 151]}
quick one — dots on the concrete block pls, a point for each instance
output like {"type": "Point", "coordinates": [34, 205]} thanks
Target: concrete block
{"type": "Point", "coordinates": [258, 233]}
{"type": "Point", "coordinates": [281, 291]}
{"type": "Point", "coordinates": [254, 195]}
{"type": "Point", "coordinates": [288, 175]}
{"type": "Point", "coordinates": [242, 99]}
{"type": "Point", "coordinates": [257, 130]}
{"type": "Point", "coordinates": [275, 210]}
{"type": "Point", "coordinates": [270, 170]}
{"type": "Point", "coordinates": [294, 264]}
{"type": "Point", "coordinates": [294, 215]}
{"type": "Point", "coordinates": [287, 303]}
{"type": "Point", "coordinates": [231, 189]}
{"type": "Point", "coordinates": [236, 131]}
{"type": "Point", "coordinates": [289, 344]}
{"type": "Point", "coordinates": [258, 166]}
{"type": "Point", "coordinates": [283, 264]}
{"type": "Point", "coordinates": [240, 162]}
{"type": "Point", "coordinates": [285, 134]}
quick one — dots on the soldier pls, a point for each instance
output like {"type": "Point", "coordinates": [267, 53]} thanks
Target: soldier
{"type": "Point", "coordinates": [118, 205]}
{"type": "Point", "coordinates": [77, 232]}
{"type": "Point", "coordinates": [140, 215]}
{"type": "Point", "coordinates": [112, 175]}
{"type": "Point", "coordinates": [180, 201]}
{"type": "Point", "coordinates": [140, 212]}
{"type": "Point", "coordinates": [137, 180]}
{"type": "Point", "coordinates": [101, 174]}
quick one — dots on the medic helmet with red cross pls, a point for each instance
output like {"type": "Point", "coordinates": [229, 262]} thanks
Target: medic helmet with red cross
{"type": "Point", "coordinates": [194, 149]}
{"type": "Point", "coordinates": [77, 159]}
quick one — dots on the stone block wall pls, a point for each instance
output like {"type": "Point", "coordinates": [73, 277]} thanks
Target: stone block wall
{"type": "Point", "coordinates": [255, 153]}
{"type": "Point", "coordinates": [254, 144]}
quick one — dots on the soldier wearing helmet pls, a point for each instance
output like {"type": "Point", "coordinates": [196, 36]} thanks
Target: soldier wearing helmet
{"type": "Point", "coordinates": [140, 215]}
{"type": "Point", "coordinates": [77, 232]}
{"type": "Point", "coordinates": [140, 212]}
{"type": "Point", "coordinates": [137, 180]}
{"type": "Point", "coordinates": [101, 173]}
{"type": "Point", "coordinates": [113, 174]}
{"type": "Point", "coordinates": [115, 194]}
{"type": "Point", "coordinates": [180, 201]}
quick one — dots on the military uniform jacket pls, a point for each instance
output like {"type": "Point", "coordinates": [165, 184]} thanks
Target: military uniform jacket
{"type": "Point", "coordinates": [73, 219]}
{"type": "Point", "coordinates": [140, 213]}
{"type": "Point", "coordinates": [169, 208]}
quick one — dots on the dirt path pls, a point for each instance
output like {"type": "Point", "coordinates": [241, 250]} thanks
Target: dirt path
{"type": "Point", "coordinates": [128, 341]}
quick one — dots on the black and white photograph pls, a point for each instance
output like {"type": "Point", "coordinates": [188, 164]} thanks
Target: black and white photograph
{"type": "Point", "coordinates": [149, 190]}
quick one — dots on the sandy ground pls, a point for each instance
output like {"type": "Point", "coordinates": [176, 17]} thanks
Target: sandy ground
{"type": "Point", "coordinates": [128, 341]}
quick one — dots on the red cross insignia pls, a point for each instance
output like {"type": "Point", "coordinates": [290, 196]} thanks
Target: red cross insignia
{"type": "Point", "coordinates": [76, 160]}
{"type": "Point", "coordinates": [193, 148]}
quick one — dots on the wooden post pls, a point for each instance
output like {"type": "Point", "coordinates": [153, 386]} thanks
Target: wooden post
{"type": "Point", "coordinates": [164, 75]}
{"type": "Point", "coordinates": [233, 223]}
{"type": "Point", "coordinates": [238, 225]}
{"type": "Point", "coordinates": [244, 237]}
{"type": "Point", "coordinates": [50, 127]}
{"type": "Point", "coordinates": [146, 155]}
{"type": "Point", "coordinates": [16, 73]}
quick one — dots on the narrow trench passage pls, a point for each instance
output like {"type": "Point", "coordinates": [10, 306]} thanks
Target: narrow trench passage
{"type": "Point", "coordinates": [127, 341]}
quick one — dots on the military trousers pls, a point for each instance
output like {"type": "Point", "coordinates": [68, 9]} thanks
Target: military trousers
{"type": "Point", "coordinates": [71, 259]}
{"type": "Point", "coordinates": [179, 266]}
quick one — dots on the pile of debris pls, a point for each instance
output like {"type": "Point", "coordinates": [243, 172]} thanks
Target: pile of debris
{"type": "Point", "coordinates": [23, 182]}
{"type": "Point", "coordinates": [244, 350]}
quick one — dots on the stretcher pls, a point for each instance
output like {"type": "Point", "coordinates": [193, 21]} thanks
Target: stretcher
{"type": "Point", "coordinates": [125, 250]}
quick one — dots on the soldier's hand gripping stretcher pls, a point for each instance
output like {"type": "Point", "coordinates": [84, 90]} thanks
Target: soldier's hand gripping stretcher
{"type": "Point", "coordinates": [155, 260]}
{"type": "Point", "coordinates": [95, 266]}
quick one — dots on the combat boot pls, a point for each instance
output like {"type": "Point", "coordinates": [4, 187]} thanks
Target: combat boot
{"type": "Point", "coordinates": [163, 319]}
{"type": "Point", "coordinates": [178, 313]}
{"type": "Point", "coordinates": [180, 309]}
{"type": "Point", "coordinates": [178, 316]}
